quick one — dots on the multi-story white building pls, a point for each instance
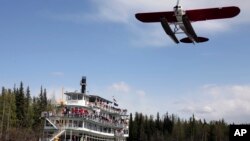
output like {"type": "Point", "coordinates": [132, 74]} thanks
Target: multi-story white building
{"type": "Point", "coordinates": [86, 117]}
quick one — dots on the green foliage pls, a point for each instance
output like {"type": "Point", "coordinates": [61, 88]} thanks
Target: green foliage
{"type": "Point", "coordinates": [20, 115]}
{"type": "Point", "coordinates": [172, 128]}
{"type": "Point", "coordinates": [20, 104]}
{"type": "Point", "coordinates": [7, 111]}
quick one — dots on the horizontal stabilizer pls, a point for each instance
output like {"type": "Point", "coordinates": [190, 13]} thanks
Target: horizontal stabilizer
{"type": "Point", "coordinates": [186, 40]}
{"type": "Point", "coordinates": [199, 40]}
{"type": "Point", "coordinates": [168, 30]}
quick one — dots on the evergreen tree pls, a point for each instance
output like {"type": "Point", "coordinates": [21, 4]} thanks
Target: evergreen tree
{"type": "Point", "coordinates": [192, 122]}
{"type": "Point", "coordinates": [136, 129]}
{"type": "Point", "coordinates": [19, 112]}
{"type": "Point", "coordinates": [168, 124]}
{"type": "Point", "coordinates": [158, 121]}
{"type": "Point", "coordinates": [7, 113]}
{"type": "Point", "coordinates": [43, 102]}
{"type": "Point", "coordinates": [2, 108]}
{"type": "Point", "coordinates": [212, 132]}
{"type": "Point", "coordinates": [36, 114]}
{"type": "Point", "coordinates": [20, 104]}
{"type": "Point", "coordinates": [28, 120]}
{"type": "Point", "coordinates": [141, 130]}
{"type": "Point", "coordinates": [131, 127]}
{"type": "Point", "coordinates": [146, 128]}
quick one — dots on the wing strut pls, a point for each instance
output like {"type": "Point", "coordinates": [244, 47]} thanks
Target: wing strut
{"type": "Point", "coordinates": [189, 27]}
{"type": "Point", "coordinates": [168, 30]}
{"type": "Point", "coordinates": [191, 33]}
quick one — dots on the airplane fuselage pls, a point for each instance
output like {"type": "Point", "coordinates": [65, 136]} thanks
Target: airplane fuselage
{"type": "Point", "coordinates": [179, 14]}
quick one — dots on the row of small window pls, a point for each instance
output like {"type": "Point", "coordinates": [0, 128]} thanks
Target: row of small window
{"type": "Point", "coordinates": [79, 137]}
{"type": "Point", "coordinates": [67, 123]}
{"type": "Point", "coordinates": [80, 124]}
{"type": "Point", "coordinates": [98, 128]}
{"type": "Point", "coordinates": [76, 97]}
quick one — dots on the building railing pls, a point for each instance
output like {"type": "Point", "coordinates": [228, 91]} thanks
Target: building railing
{"type": "Point", "coordinates": [99, 119]}
{"type": "Point", "coordinates": [107, 107]}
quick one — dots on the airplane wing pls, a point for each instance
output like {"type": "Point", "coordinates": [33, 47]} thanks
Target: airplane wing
{"type": "Point", "coordinates": [212, 13]}
{"type": "Point", "coordinates": [193, 15]}
{"type": "Point", "coordinates": [156, 17]}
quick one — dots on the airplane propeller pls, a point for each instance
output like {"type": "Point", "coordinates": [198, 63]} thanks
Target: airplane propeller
{"type": "Point", "coordinates": [177, 4]}
{"type": "Point", "coordinates": [178, 1]}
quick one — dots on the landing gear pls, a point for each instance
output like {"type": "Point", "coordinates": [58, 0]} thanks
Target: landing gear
{"type": "Point", "coordinates": [176, 28]}
{"type": "Point", "coordinates": [168, 30]}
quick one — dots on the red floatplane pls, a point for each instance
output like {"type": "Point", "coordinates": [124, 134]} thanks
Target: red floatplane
{"type": "Point", "coordinates": [181, 19]}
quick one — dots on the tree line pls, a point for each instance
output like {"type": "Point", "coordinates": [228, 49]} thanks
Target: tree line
{"type": "Point", "coordinates": [20, 119]}
{"type": "Point", "coordinates": [172, 128]}
{"type": "Point", "coordinates": [20, 113]}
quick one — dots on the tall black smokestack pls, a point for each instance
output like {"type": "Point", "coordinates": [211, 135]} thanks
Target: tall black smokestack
{"type": "Point", "coordinates": [83, 84]}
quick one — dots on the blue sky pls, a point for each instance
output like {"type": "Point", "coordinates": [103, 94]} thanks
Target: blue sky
{"type": "Point", "coordinates": [55, 42]}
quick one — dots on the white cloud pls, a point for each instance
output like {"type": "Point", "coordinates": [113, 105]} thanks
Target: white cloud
{"type": "Point", "coordinates": [206, 109]}
{"type": "Point", "coordinates": [210, 102]}
{"type": "Point", "coordinates": [216, 102]}
{"type": "Point", "coordinates": [123, 12]}
{"type": "Point", "coordinates": [197, 109]}
{"type": "Point", "coordinates": [120, 87]}
{"type": "Point", "coordinates": [135, 100]}
{"type": "Point", "coordinates": [149, 36]}
{"type": "Point", "coordinates": [211, 27]}
{"type": "Point", "coordinates": [140, 93]}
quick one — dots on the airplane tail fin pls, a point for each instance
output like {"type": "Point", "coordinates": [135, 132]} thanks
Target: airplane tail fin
{"type": "Point", "coordinates": [198, 40]}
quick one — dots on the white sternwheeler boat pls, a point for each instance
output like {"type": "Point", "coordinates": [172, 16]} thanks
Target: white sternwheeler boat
{"type": "Point", "coordinates": [84, 117]}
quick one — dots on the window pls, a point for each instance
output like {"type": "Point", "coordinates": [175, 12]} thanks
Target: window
{"type": "Point", "coordinates": [80, 97]}
{"type": "Point", "coordinates": [66, 124]}
{"type": "Point", "coordinates": [70, 123]}
{"type": "Point", "coordinates": [80, 124]}
{"type": "Point", "coordinates": [68, 97]}
{"type": "Point", "coordinates": [74, 97]}
{"type": "Point", "coordinates": [75, 123]}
